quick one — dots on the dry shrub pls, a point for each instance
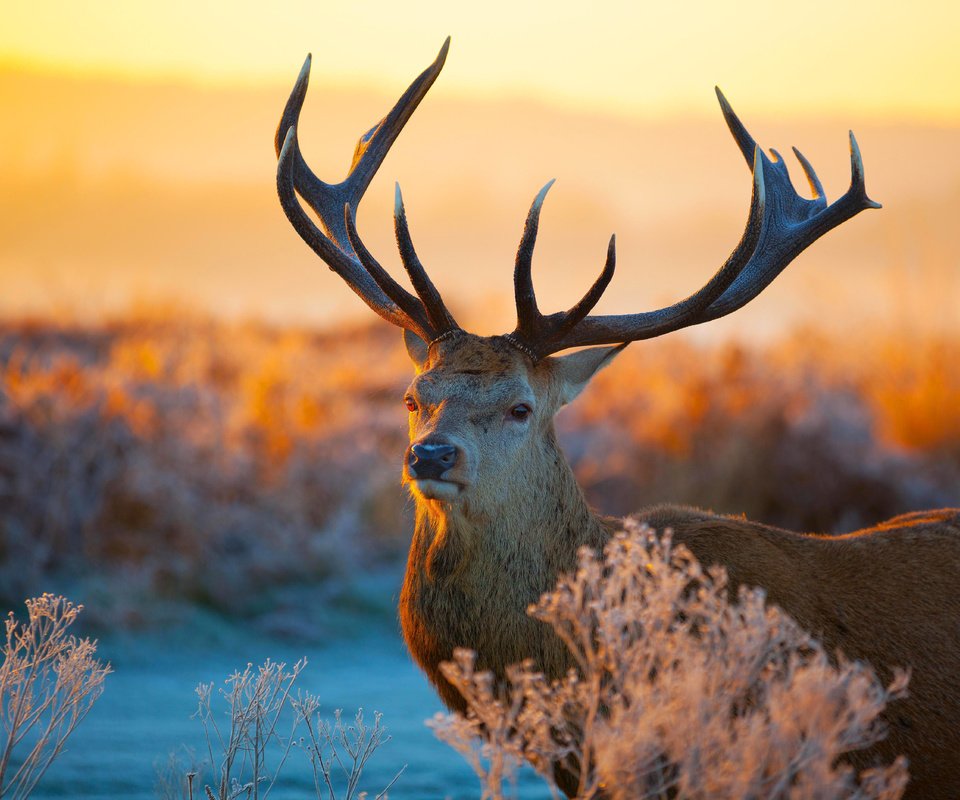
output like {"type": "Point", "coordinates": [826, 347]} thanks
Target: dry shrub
{"type": "Point", "coordinates": [175, 456]}
{"type": "Point", "coordinates": [250, 738]}
{"type": "Point", "coordinates": [340, 747]}
{"type": "Point", "coordinates": [192, 459]}
{"type": "Point", "coordinates": [794, 435]}
{"type": "Point", "coordinates": [255, 702]}
{"type": "Point", "coordinates": [49, 680]}
{"type": "Point", "coordinates": [913, 386]}
{"type": "Point", "coordinates": [678, 692]}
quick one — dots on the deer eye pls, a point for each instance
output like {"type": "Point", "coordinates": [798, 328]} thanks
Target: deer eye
{"type": "Point", "coordinates": [520, 411]}
{"type": "Point", "coordinates": [410, 403]}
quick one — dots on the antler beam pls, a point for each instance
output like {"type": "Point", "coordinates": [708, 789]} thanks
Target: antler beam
{"type": "Point", "coordinates": [336, 240]}
{"type": "Point", "coordinates": [780, 225]}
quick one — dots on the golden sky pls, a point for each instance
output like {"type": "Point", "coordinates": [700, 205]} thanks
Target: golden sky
{"type": "Point", "coordinates": [884, 58]}
{"type": "Point", "coordinates": [115, 189]}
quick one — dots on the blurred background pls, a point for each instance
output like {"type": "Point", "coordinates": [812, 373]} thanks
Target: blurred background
{"type": "Point", "coordinates": [201, 426]}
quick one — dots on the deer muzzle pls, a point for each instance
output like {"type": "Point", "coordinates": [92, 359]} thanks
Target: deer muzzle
{"type": "Point", "coordinates": [430, 460]}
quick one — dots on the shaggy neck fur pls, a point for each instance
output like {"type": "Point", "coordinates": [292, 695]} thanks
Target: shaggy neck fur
{"type": "Point", "coordinates": [476, 566]}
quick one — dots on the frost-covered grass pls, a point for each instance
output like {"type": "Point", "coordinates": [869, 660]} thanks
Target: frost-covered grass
{"type": "Point", "coordinates": [255, 722]}
{"type": "Point", "coordinates": [49, 681]}
{"type": "Point", "coordinates": [169, 457]}
{"type": "Point", "coordinates": [143, 738]}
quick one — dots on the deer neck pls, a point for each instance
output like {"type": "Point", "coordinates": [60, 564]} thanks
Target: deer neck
{"type": "Point", "coordinates": [475, 567]}
{"type": "Point", "coordinates": [541, 512]}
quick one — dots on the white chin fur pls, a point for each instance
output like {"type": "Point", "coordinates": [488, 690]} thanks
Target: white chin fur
{"type": "Point", "coordinates": [437, 490]}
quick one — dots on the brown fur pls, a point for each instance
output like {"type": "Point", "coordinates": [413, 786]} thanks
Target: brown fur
{"type": "Point", "coordinates": [889, 595]}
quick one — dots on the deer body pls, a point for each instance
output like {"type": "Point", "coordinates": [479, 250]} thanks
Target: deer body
{"type": "Point", "coordinates": [889, 595]}
{"type": "Point", "coordinates": [499, 514]}
{"type": "Point", "coordinates": [838, 588]}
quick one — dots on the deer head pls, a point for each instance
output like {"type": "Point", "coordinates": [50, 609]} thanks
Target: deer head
{"type": "Point", "coordinates": [482, 406]}
{"type": "Point", "coordinates": [481, 418]}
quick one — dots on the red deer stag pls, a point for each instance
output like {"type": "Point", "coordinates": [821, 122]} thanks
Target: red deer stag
{"type": "Point", "coordinates": [499, 515]}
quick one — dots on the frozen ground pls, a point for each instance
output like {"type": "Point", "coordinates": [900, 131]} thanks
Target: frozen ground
{"type": "Point", "coordinates": [144, 713]}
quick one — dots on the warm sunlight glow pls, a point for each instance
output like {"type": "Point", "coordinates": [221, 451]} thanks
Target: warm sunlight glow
{"type": "Point", "coordinates": [136, 157]}
{"type": "Point", "coordinates": [885, 58]}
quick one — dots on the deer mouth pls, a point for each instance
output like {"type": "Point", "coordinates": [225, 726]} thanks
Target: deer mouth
{"type": "Point", "coordinates": [437, 489]}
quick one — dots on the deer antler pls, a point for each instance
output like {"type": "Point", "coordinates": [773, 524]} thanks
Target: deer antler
{"type": "Point", "coordinates": [338, 243]}
{"type": "Point", "coordinates": [780, 225]}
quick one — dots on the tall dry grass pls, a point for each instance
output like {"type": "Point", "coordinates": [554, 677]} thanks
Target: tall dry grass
{"type": "Point", "coordinates": [813, 433]}
{"type": "Point", "coordinates": [186, 458]}
{"type": "Point", "coordinates": [49, 681]}
{"type": "Point", "coordinates": [253, 724]}
{"type": "Point", "coordinates": [173, 456]}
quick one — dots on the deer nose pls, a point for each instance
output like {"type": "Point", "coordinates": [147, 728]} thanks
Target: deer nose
{"type": "Point", "coordinates": [431, 460]}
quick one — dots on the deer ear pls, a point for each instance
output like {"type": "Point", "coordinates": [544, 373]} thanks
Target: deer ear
{"type": "Point", "coordinates": [576, 369]}
{"type": "Point", "coordinates": [416, 348]}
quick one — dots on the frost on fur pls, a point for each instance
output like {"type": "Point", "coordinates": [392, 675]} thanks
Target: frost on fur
{"type": "Point", "coordinates": [678, 691]}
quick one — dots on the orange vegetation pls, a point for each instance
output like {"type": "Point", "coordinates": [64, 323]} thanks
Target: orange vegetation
{"type": "Point", "coordinates": [212, 460]}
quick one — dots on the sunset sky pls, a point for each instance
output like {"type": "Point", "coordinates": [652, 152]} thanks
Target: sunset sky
{"type": "Point", "coordinates": [886, 58]}
{"type": "Point", "coordinates": [136, 158]}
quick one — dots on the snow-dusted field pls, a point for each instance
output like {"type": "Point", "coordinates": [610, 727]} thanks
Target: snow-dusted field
{"type": "Point", "coordinates": [144, 714]}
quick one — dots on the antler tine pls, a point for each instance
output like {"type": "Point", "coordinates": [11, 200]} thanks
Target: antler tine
{"type": "Point", "coordinates": [439, 316]}
{"type": "Point", "coordinates": [372, 148]}
{"type": "Point", "coordinates": [816, 188]}
{"type": "Point", "coordinates": [529, 319]}
{"type": "Point", "coordinates": [780, 226]}
{"type": "Point", "coordinates": [574, 328]}
{"type": "Point", "coordinates": [573, 317]}
{"type": "Point", "coordinates": [290, 118]}
{"type": "Point", "coordinates": [858, 186]}
{"type": "Point", "coordinates": [326, 199]}
{"type": "Point", "coordinates": [336, 241]}
{"type": "Point", "coordinates": [407, 303]}
{"type": "Point", "coordinates": [746, 143]}
{"type": "Point", "coordinates": [336, 258]}
{"type": "Point", "coordinates": [792, 224]}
